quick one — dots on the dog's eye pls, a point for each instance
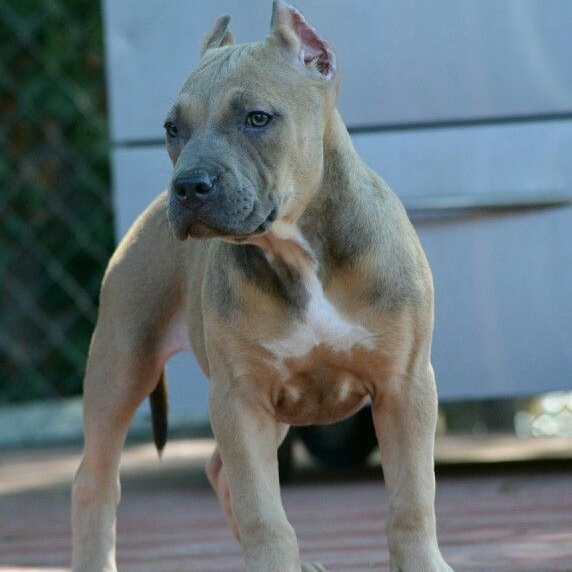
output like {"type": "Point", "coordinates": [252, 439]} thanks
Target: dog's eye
{"type": "Point", "coordinates": [258, 119]}
{"type": "Point", "coordinates": [171, 129]}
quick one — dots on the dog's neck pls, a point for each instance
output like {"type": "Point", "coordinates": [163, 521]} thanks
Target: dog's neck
{"type": "Point", "coordinates": [300, 243]}
{"type": "Point", "coordinates": [343, 167]}
{"type": "Point", "coordinates": [286, 244]}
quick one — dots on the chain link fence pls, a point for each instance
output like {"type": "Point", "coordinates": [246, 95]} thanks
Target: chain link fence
{"type": "Point", "coordinates": [56, 230]}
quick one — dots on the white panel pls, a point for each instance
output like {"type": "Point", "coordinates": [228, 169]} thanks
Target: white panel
{"type": "Point", "coordinates": [472, 160]}
{"type": "Point", "coordinates": [188, 390]}
{"type": "Point", "coordinates": [403, 61]}
{"type": "Point", "coordinates": [503, 308]}
{"type": "Point", "coordinates": [139, 175]}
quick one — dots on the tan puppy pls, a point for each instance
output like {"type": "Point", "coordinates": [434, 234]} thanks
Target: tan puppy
{"type": "Point", "coordinates": [313, 295]}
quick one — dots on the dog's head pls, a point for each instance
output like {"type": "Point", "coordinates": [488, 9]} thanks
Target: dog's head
{"type": "Point", "coordinates": [246, 133]}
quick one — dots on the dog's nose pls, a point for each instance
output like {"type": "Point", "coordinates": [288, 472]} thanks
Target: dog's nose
{"type": "Point", "coordinates": [196, 183]}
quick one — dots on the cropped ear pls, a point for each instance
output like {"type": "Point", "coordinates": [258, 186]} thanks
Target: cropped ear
{"type": "Point", "coordinates": [220, 35]}
{"type": "Point", "coordinates": [291, 29]}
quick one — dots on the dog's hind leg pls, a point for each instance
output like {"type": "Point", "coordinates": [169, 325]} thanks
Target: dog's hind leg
{"type": "Point", "coordinates": [217, 478]}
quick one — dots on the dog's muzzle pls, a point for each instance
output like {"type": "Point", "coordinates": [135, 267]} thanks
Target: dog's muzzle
{"type": "Point", "coordinates": [204, 204]}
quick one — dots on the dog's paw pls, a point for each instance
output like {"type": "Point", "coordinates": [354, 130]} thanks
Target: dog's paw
{"type": "Point", "coordinates": [312, 567]}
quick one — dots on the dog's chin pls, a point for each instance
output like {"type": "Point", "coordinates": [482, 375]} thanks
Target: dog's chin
{"type": "Point", "coordinates": [201, 230]}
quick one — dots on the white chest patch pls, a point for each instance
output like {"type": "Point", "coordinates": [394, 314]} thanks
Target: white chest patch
{"type": "Point", "coordinates": [322, 325]}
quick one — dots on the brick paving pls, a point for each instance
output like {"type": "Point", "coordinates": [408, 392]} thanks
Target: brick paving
{"type": "Point", "coordinates": [504, 520]}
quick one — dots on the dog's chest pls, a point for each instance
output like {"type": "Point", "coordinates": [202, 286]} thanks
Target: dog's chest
{"type": "Point", "coordinates": [321, 324]}
{"type": "Point", "coordinates": [320, 362]}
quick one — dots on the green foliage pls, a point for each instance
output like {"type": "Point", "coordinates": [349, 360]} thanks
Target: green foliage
{"type": "Point", "coordinates": [55, 205]}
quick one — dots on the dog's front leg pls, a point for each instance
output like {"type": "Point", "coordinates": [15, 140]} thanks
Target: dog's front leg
{"type": "Point", "coordinates": [405, 415]}
{"type": "Point", "coordinates": [247, 437]}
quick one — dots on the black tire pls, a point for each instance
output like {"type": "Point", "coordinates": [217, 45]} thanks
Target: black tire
{"type": "Point", "coordinates": [286, 458]}
{"type": "Point", "coordinates": [341, 445]}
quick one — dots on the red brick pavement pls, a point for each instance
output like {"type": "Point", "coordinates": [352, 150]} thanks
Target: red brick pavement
{"type": "Point", "coordinates": [169, 521]}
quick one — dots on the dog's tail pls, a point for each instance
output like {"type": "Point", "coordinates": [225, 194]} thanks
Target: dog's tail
{"type": "Point", "coordinates": [159, 413]}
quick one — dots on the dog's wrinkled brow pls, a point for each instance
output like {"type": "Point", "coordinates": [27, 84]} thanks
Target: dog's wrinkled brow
{"type": "Point", "coordinates": [241, 99]}
{"type": "Point", "coordinates": [185, 110]}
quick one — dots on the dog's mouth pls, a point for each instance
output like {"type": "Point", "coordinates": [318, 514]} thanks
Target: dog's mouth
{"type": "Point", "coordinates": [263, 227]}
{"type": "Point", "coordinates": [201, 229]}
